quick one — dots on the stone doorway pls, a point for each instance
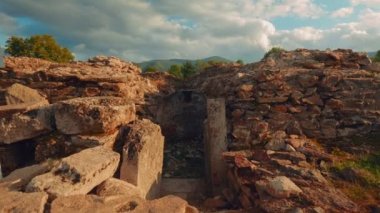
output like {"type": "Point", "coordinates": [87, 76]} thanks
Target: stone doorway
{"type": "Point", "coordinates": [181, 118]}
{"type": "Point", "coordinates": [195, 133]}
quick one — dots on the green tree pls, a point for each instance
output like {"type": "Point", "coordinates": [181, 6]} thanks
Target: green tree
{"type": "Point", "coordinates": [176, 71]}
{"type": "Point", "coordinates": [151, 69]}
{"type": "Point", "coordinates": [376, 58]}
{"type": "Point", "coordinates": [239, 61]}
{"type": "Point", "coordinates": [274, 50]}
{"type": "Point", "coordinates": [38, 46]}
{"type": "Point", "coordinates": [188, 69]}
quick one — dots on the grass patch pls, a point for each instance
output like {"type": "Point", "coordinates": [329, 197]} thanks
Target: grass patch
{"type": "Point", "coordinates": [360, 179]}
{"type": "Point", "coordinates": [367, 169]}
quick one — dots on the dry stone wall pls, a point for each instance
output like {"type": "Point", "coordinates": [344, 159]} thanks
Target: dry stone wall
{"type": "Point", "coordinates": [276, 109]}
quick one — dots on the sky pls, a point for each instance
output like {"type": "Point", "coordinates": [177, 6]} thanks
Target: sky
{"type": "Point", "coordinates": [140, 30]}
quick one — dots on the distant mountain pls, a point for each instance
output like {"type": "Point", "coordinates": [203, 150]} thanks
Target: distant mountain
{"type": "Point", "coordinates": [371, 54]}
{"type": "Point", "coordinates": [164, 65]}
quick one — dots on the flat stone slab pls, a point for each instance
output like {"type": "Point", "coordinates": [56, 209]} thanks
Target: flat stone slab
{"type": "Point", "coordinates": [78, 173]}
{"type": "Point", "coordinates": [12, 201]}
{"type": "Point", "coordinates": [92, 115]}
{"type": "Point", "coordinates": [122, 203]}
{"type": "Point", "coordinates": [24, 126]}
{"type": "Point", "coordinates": [7, 110]}
{"type": "Point", "coordinates": [19, 178]}
{"type": "Point", "coordinates": [115, 186]}
{"type": "Point", "coordinates": [106, 140]}
{"type": "Point", "coordinates": [19, 94]}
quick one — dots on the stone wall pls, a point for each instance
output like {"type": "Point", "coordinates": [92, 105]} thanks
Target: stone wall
{"type": "Point", "coordinates": [276, 109]}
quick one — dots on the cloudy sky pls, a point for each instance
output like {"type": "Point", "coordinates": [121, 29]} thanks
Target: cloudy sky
{"type": "Point", "coordinates": [141, 30]}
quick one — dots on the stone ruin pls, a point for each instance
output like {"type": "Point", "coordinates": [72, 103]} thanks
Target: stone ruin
{"type": "Point", "coordinates": [100, 136]}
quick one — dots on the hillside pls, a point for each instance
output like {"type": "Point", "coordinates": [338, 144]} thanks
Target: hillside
{"type": "Point", "coordinates": [164, 64]}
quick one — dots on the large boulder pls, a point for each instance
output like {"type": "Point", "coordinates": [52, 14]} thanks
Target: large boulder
{"type": "Point", "coordinates": [122, 203]}
{"type": "Point", "coordinates": [19, 178]}
{"type": "Point", "coordinates": [115, 186]}
{"type": "Point", "coordinates": [143, 156]}
{"type": "Point", "coordinates": [11, 201]}
{"type": "Point", "coordinates": [92, 115]}
{"type": "Point", "coordinates": [78, 173]}
{"type": "Point", "coordinates": [18, 127]}
{"type": "Point", "coordinates": [279, 187]}
{"type": "Point", "coordinates": [19, 94]}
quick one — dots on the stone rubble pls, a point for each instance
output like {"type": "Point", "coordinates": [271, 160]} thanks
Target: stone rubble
{"type": "Point", "coordinates": [75, 138]}
{"type": "Point", "coordinates": [277, 108]}
{"type": "Point", "coordinates": [96, 149]}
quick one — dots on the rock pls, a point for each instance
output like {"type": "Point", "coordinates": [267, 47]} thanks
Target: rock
{"type": "Point", "coordinates": [88, 141]}
{"type": "Point", "coordinates": [53, 146]}
{"type": "Point", "coordinates": [282, 187]}
{"type": "Point", "coordinates": [11, 201]}
{"type": "Point", "coordinates": [307, 80]}
{"type": "Point", "coordinates": [296, 142]}
{"type": "Point", "coordinates": [296, 210]}
{"type": "Point", "coordinates": [294, 128]}
{"type": "Point", "coordinates": [19, 94]}
{"type": "Point", "coordinates": [289, 148]}
{"type": "Point", "coordinates": [169, 204]}
{"type": "Point", "coordinates": [241, 133]}
{"type": "Point", "coordinates": [115, 186]}
{"type": "Point", "coordinates": [9, 110]}
{"type": "Point", "coordinates": [313, 100]}
{"type": "Point", "coordinates": [26, 125]}
{"type": "Point", "coordinates": [142, 158]}
{"type": "Point", "coordinates": [215, 203]}
{"type": "Point", "coordinates": [25, 64]}
{"type": "Point", "coordinates": [318, 210]}
{"type": "Point", "coordinates": [277, 142]}
{"type": "Point", "coordinates": [245, 91]}
{"type": "Point", "coordinates": [92, 115]}
{"type": "Point", "coordinates": [335, 104]}
{"type": "Point", "coordinates": [19, 178]}
{"type": "Point", "coordinates": [80, 203]}
{"type": "Point", "coordinates": [78, 173]}
{"type": "Point", "coordinates": [265, 100]}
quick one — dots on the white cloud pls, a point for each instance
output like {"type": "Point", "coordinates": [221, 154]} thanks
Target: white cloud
{"type": "Point", "coordinates": [145, 29]}
{"type": "Point", "coordinates": [362, 35]}
{"type": "Point", "coordinates": [342, 12]}
{"type": "Point", "coordinates": [150, 29]}
{"type": "Point", "coordinates": [370, 3]}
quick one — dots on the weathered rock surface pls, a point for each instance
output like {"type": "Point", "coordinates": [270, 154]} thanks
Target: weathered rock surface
{"type": "Point", "coordinates": [88, 141]}
{"type": "Point", "coordinates": [19, 94]}
{"type": "Point", "coordinates": [115, 186]}
{"type": "Point", "coordinates": [19, 178]}
{"type": "Point", "coordinates": [122, 203]}
{"type": "Point", "coordinates": [11, 201]}
{"type": "Point", "coordinates": [81, 203]}
{"type": "Point", "coordinates": [100, 76]}
{"type": "Point", "coordinates": [142, 158]}
{"type": "Point", "coordinates": [166, 204]}
{"type": "Point", "coordinates": [78, 173]}
{"type": "Point", "coordinates": [282, 187]}
{"type": "Point", "coordinates": [27, 125]}
{"type": "Point", "coordinates": [92, 115]}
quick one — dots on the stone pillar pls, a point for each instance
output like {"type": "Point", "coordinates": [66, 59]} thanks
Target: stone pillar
{"type": "Point", "coordinates": [143, 156]}
{"type": "Point", "coordinates": [215, 136]}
